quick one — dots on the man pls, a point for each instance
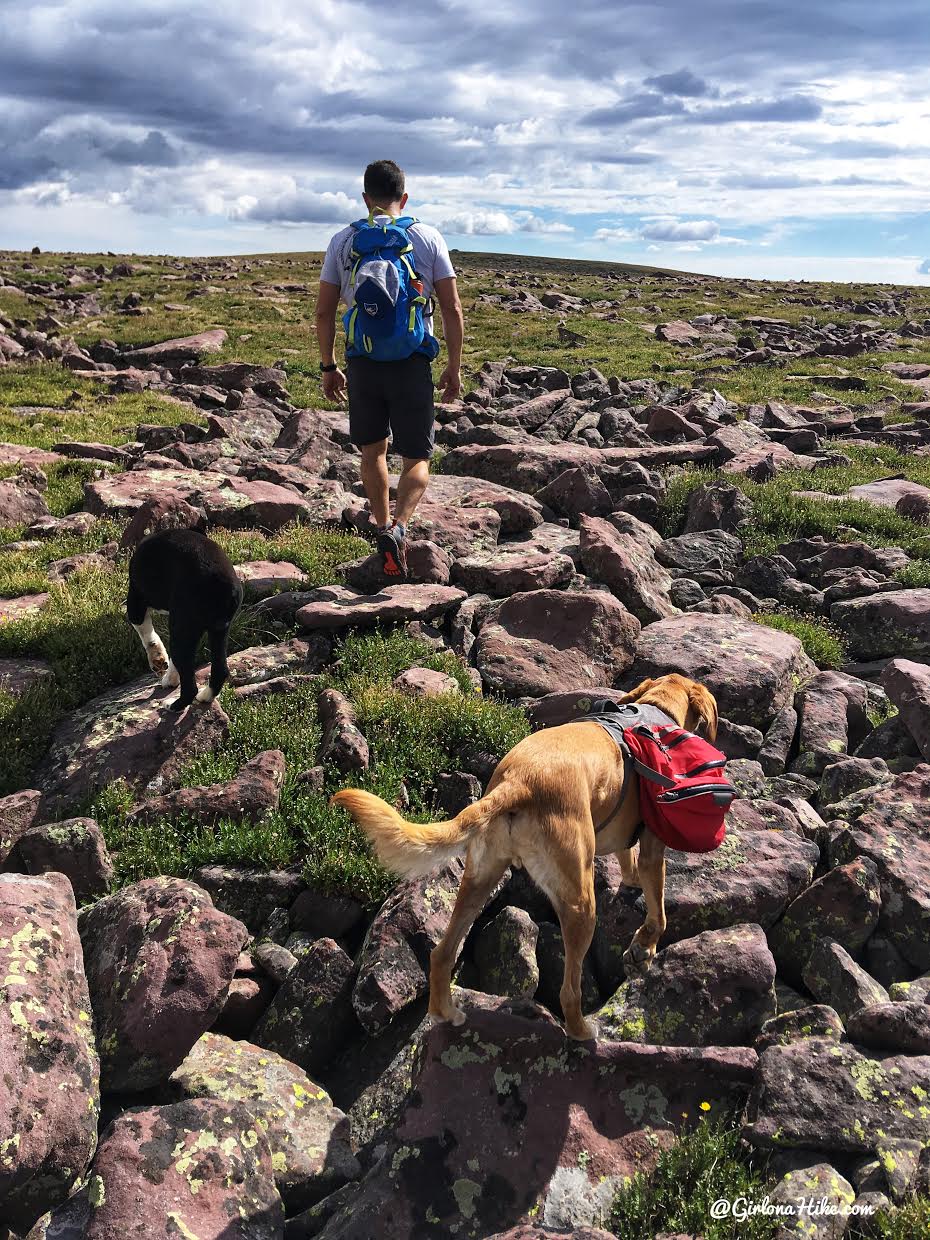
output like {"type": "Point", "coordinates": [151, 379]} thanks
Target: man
{"type": "Point", "coordinates": [391, 396]}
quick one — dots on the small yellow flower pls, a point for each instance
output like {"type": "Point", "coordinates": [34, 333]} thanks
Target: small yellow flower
{"type": "Point", "coordinates": [684, 1115]}
{"type": "Point", "coordinates": [705, 1106]}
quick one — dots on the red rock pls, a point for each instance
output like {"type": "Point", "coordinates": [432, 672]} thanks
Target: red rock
{"type": "Point", "coordinates": [908, 686]}
{"type": "Point", "coordinates": [50, 1098]}
{"type": "Point", "coordinates": [249, 797]}
{"type": "Point", "coordinates": [123, 734]}
{"type": "Point", "coordinates": [506, 1110]}
{"type": "Point", "coordinates": [518, 513]}
{"type": "Point", "coordinates": [196, 1168]}
{"type": "Point", "coordinates": [503, 572]}
{"type": "Point", "coordinates": [459, 531]}
{"type": "Point", "coordinates": [20, 503]}
{"type": "Point", "coordinates": [246, 1002]}
{"type": "Point", "coordinates": [155, 515]}
{"type": "Point", "coordinates": [75, 848]}
{"type": "Point", "coordinates": [427, 564]}
{"type": "Point", "coordinates": [263, 577]}
{"type": "Point", "coordinates": [833, 720]}
{"type": "Point", "coordinates": [61, 570]}
{"type": "Point", "coordinates": [342, 742]}
{"type": "Point", "coordinates": [310, 1019]}
{"type": "Point", "coordinates": [17, 814]}
{"type": "Point", "coordinates": [575, 492]}
{"type": "Point", "coordinates": [892, 1027]}
{"type": "Point", "coordinates": [627, 565]}
{"type": "Point", "coordinates": [907, 370]}
{"type": "Point", "coordinates": [753, 671]}
{"type": "Point", "coordinates": [22, 454]}
{"type": "Point", "coordinates": [885, 623]}
{"type": "Point", "coordinates": [95, 452]}
{"type": "Point", "coordinates": [678, 332]}
{"type": "Point", "coordinates": [173, 352]}
{"type": "Point", "coordinates": [337, 607]}
{"type": "Point", "coordinates": [17, 676]}
{"type": "Point", "coordinates": [159, 960]}
{"type": "Point", "coordinates": [424, 682]}
{"type": "Point", "coordinates": [545, 638]}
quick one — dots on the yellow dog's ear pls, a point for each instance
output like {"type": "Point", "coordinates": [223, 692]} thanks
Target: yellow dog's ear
{"type": "Point", "coordinates": [635, 694]}
{"type": "Point", "coordinates": [703, 705]}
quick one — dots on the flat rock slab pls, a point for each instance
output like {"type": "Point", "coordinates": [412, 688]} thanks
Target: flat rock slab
{"type": "Point", "coordinates": [308, 1136]}
{"type": "Point", "coordinates": [248, 797]}
{"type": "Point", "coordinates": [530, 466]}
{"type": "Point", "coordinates": [821, 1095]}
{"type": "Point", "coordinates": [159, 961]}
{"type": "Point", "coordinates": [19, 608]}
{"type": "Point", "coordinates": [540, 640]}
{"type": "Point", "coordinates": [50, 1098]}
{"type": "Point", "coordinates": [338, 607]}
{"type": "Point", "coordinates": [127, 734]}
{"type": "Point", "coordinates": [458, 530]}
{"type": "Point", "coordinates": [501, 1112]}
{"type": "Point", "coordinates": [502, 572]}
{"type": "Point", "coordinates": [262, 577]}
{"type": "Point", "coordinates": [198, 1168]}
{"type": "Point", "coordinates": [21, 454]}
{"type": "Point", "coordinates": [518, 512]}
{"type": "Point", "coordinates": [18, 676]}
{"type": "Point", "coordinates": [174, 352]}
{"type": "Point", "coordinates": [230, 502]}
{"type": "Point", "coordinates": [751, 670]}
{"type": "Point", "coordinates": [896, 622]}
{"type": "Point", "coordinates": [257, 664]}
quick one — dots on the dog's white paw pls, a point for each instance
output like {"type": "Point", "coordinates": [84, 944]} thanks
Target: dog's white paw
{"type": "Point", "coordinates": [205, 694]}
{"type": "Point", "coordinates": [171, 678]}
{"type": "Point", "coordinates": [157, 656]}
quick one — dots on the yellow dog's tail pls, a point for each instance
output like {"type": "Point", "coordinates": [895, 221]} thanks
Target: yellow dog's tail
{"type": "Point", "coordinates": [413, 849]}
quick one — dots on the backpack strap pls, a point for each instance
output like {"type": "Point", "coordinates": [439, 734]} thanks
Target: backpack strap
{"type": "Point", "coordinates": [628, 763]}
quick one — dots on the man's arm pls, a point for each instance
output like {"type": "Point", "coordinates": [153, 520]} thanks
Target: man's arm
{"type": "Point", "coordinates": [327, 304]}
{"type": "Point", "coordinates": [453, 329]}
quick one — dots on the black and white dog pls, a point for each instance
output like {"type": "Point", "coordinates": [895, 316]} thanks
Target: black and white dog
{"type": "Point", "coordinates": [188, 575]}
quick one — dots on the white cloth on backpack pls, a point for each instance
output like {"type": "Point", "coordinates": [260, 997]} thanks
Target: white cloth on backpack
{"type": "Point", "coordinates": [430, 259]}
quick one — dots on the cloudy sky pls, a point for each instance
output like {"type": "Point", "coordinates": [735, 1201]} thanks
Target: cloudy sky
{"type": "Point", "coordinates": [784, 138]}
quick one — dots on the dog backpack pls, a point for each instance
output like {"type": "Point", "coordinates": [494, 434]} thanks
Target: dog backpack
{"type": "Point", "coordinates": [683, 794]}
{"type": "Point", "coordinates": [387, 322]}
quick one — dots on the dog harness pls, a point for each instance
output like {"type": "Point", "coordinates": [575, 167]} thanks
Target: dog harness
{"type": "Point", "coordinates": [684, 795]}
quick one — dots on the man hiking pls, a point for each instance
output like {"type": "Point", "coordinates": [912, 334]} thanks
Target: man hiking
{"type": "Point", "coordinates": [384, 269]}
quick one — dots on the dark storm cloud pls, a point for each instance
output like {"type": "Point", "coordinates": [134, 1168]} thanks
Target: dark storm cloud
{"type": "Point", "coordinates": [111, 88]}
{"type": "Point", "coordinates": [684, 83]}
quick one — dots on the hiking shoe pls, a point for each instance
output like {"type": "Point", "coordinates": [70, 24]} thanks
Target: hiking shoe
{"type": "Point", "coordinates": [393, 553]}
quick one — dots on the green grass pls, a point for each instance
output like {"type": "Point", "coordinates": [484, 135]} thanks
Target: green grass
{"type": "Point", "coordinates": [781, 515]}
{"type": "Point", "coordinates": [705, 1165]}
{"type": "Point", "coordinates": [822, 641]}
{"type": "Point", "coordinates": [82, 631]}
{"type": "Point", "coordinates": [69, 408]}
{"type": "Point", "coordinates": [411, 740]}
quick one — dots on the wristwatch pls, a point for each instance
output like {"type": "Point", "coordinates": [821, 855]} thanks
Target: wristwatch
{"type": "Point", "coordinates": [328, 370]}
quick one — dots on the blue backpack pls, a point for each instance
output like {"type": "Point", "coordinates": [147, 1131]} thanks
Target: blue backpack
{"type": "Point", "coordinates": [387, 321]}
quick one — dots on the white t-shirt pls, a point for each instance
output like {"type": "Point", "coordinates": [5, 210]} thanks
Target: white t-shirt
{"type": "Point", "coordinates": [430, 259]}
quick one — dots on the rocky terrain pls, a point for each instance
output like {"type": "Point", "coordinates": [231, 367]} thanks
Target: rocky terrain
{"type": "Point", "coordinates": [213, 1020]}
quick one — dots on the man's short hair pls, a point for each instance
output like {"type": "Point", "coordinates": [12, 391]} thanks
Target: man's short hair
{"type": "Point", "coordinates": [384, 181]}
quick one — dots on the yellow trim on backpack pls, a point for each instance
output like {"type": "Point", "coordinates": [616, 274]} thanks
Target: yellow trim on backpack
{"type": "Point", "coordinates": [350, 330]}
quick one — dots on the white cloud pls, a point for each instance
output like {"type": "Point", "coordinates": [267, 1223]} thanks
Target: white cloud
{"type": "Point", "coordinates": [616, 234]}
{"type": "Point", "coordinates": [668, 229]}
{"type": "Point", "coordinates": [478, 224]}
{"type": "Point", "coordinates": [924, 268]}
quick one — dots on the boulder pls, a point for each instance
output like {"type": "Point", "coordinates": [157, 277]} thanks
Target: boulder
{"type": "Point", "coordinates": [176, 352]}
{"type": "Point", "coordinates": [338, 607]}
{"type": "Point", "coordinates": [815, 1203]}
{"type": "Point", "coordinates": [713, 551]}
{"type": "Point", "coordinates": [833, 977]}
{"type": "Point", "coordinates": [195, 1168]}
{"type": "Point", "coordinates": [833, 720]}
{"type": "Point", "coordinates": [819, 1095]}
{"type": "Point", "coordinates": [423, 682]}
{"type": "Point", "coordinates": [576, 492]}
{"type": "Point", "coordinates": [263, 577]}
{"type": "Point", "coordinates": [815, 1020]}
{"type": "Point", "coordinates": [896, 1026]}
{"type": "Point", "coordinates": [307, 1135]}
{"type": "Point", "coordinates": [50, 1098]}
{"type": "Point", "coordinates": [75, 848]}
{"type": "Point", "coordinates": [310, 1018]}
{"type": "Point", "coordinates": [716, 989]}
{"type": "Point", "coordinates": [125, 734]}
{"type": "Point", "coordinates": [252, 896]}
{"type": "Point", "coordinates": [889, 825]}
{"type": "Point", "coordinates": [159, 960]}
{"type": "Point", "coordinates": [427, 564]}
{"type": "Point", "coordinates": [541, 639]}
{"type": "Point", "coordinates": [342, 742]}
{"type": "Point", "coordinates": [248, 797]}
{"type": "Point", "coordinates": [20, 502]}
{"type": "Point", "coordinates": [717, 506]}
{"type": "Point", "coordinates": [18, 813]}
{"type": "Point", "coordinates": [502, 572]}
{"type": "Point", "coordinates": [498, 1113]}
{"type": "Point", "coordinates": [888, 623]}
{"type": "Point", "coordinates": [753, 671]}
{"type": "Point", "coordinates": [628, 567]}
{"type": "Point", "coordinates": [843, 905]}
{"type": "Point", "coordinates": [505, 953]}
{"type": "Point", "coordinates": [908, 686]}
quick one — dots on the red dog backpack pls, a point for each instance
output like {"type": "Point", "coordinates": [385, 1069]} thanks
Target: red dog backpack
{"type": "Point", "coordinates": [683, 794]}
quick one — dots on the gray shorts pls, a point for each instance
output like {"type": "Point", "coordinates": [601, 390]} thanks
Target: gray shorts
{"type": "Point", "coordinates": [395, 397]}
